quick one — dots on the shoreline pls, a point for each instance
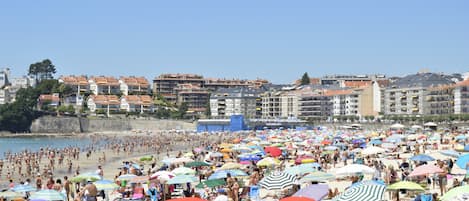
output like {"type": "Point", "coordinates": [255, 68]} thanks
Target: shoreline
{"type": "Point", "coordinates": [113, 159]}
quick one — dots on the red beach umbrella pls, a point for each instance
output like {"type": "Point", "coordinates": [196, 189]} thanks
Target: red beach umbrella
{"type": "Point", "coordinates": [273, 151]}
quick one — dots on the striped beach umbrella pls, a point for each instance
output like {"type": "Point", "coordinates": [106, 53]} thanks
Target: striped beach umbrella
{"type": "Point", "coordinates": [106, 185]}
{"type": "Point", "coordinates": [126, 177]}
{"type": "Point", "coordinates": [10, 194]}
{"type": "Point", "coordinates": [23, 188]}
{"type": "Point", "coordinates": [277, 181]}
{"type": "Point", "coordinates": [47, 195]}
{"type": "Point", "coordinates": [362, 192]}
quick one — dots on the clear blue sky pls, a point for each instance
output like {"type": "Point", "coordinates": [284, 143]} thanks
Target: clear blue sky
{"type": "Point", "coordinates": [272, 39]}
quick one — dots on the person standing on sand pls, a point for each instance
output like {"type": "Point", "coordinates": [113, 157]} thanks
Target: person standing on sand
{"type": "Point", "coordinates": [67, 187]}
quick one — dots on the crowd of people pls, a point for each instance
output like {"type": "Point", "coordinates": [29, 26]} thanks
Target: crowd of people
{"type": "Point", "coordinates": [237, 166]}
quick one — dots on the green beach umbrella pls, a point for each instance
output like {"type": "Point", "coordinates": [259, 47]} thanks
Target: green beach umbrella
{"type": "Point", "coordinates": [317, 176]}
{"type": "Point", "coordinates": [458, 191]}
{"type": "Point", "coordinates": [85, 177]}
{"type": "Point", "coordinates": [146, 158]}
{"type": "Point", "coordinates": [196, 164]}
{"type": "Point", "coordinates": [10, 194]}
{"type": "Point", "coordinates": [405, 185]}
{"type": "Point", "coordinates": [212, 183]}
{"type": "Point", "coordinates": [182, 179]}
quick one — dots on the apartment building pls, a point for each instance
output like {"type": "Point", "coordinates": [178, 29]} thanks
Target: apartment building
{"type": "Point", "coordinates": [136, 103]}
{"type": "Point", "coordinates": [166, 84]}
{"type": "Point", "coordinates": [49, 100]}
{"type": "Point", "coordinates": [102, 85]}
{"type": "Point", "coordinates": [280, 102]}
{"type": "Point", "coordinates": [315, 105]}
{"type": "Point", "coordinates": [461, 97]}
{"type": "Point", "coordinates": [407, 95]}
{"type": "Point", "coordinates": [106, 103]}
{"type": "Point", "coordinates": [134, 85]}
{"type": "Point", "coordinates": [195, 97]}
{"type": "Point", "coordinates": [235, 101]}
{"type": "Point", "coordinates": [439, 100]}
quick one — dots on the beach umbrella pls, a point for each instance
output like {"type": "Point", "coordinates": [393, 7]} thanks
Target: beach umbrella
{"type": "Point", "coordinates": [460, 137]}
{"type": "Point", "coordinates": [422, 157]}
{"type": "Point", "coordinates": [249, 157]}
{"type": "Point", "coordinates": [48, 195]}
{"type": "Point", "coordinates": [456, 192]}
{"type": "Point", "coordinates": [188, 154]}
{"type": "Point", "coordinates": [269, 161]}
{"type": "Point", "coordinates": [368, 182]}
{"type": "Point", "coordinates": [463, 161]}
{"type": "Point", "coordinates": [317, 176]}
{"type": "Point", "coordinates": [451, 153]}
{"type": "Point", "coordinates": [425, 169]}
{"type": "Point", "coordinates": [314, 192]}
{"type": "Point", "coordinates": [198, 149]}
{"type": "Point", "coordinates": [354, 169]}
{"type": "Point", "coordinates": [362, 192]}
{"type": "Point", "coordinates": [182, 179]}
{"type": "Point", "coordinates": [376, 142]}
{"type": "Point", "coordinates": [277, 181]}
{"type": "Point", "coordinates": [388, 145]}
{"type": "Point", "coordinates": [296, 198]}
{"type": "Point", "coordinates": [212, 183]}
{"type": "Point", "coordinates": [230, 166]}
{"type": "Point", "coordinates": [183, 170]}
{"type": "Point", "coordinates": [216, 155]}
{"type": "Point", "coordinates": [405, 185]}
{"type": "Point", "coordinates": [373, 150]}
{"type": "Point", "coordinates": [146, 158]}
{"type": "Point", "coordinates": [331, 148]}
{"type": "Point", "coordinates": [126, 177]}
{"type": "Point", "coordinates": [196, 164]}
{"type": "Point", "coordinates": [397, 126]}
{"type": "Point", "coordinates": [224, 173]}
{"type": "Point", "coordinates": [187, 199]}
{"type": "Point", "coordinates": [23, 188]}
{"type": "Point", "coordinates": [181, 160]}
{"type": "Point", "coordinates": [11, 194]}
{"type": "Point", "coordinates": [162, 173]}
{"type": "Point", "coordinates": [326, 142]}
{"type": "Point", "coordinates": [106, 185]}
{"type": "Point", "coordinates": [300, 159]}
{"type": "Point", "coordinates": [301, 169]}
{"type": "Point", "coordinates": [139, 179]}
{"type": "Point", "coordinates": [273, 151]}
{"type": "Point", "coordinates": [89, 176]}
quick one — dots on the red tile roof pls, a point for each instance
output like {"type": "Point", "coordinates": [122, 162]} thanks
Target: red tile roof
{"type": "Point", "coordinates": [106, 99]}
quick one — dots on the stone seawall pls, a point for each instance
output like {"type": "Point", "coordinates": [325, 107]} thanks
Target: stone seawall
{"type": "Point", "coordinates": [79, 125]}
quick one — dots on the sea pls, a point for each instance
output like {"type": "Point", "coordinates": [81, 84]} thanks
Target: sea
{"type": "Point", "coordinates": [18, 144]}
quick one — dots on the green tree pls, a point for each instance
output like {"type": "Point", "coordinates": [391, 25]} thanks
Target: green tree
{"type": "Point", "coordinates": [43, 70]}
{"type": "Point", "coordinates": [305, 79]}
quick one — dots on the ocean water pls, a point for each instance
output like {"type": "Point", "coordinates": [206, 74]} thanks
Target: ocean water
{"type": "Point", "coordinates": [17, 144]}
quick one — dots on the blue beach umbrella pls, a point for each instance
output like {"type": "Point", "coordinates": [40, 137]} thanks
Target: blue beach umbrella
{"type": "Point", "coordinates": [451, 153]}
{"type": "Point", "coordinates": [422, 157]}
{"type": "Point", "coordinates": [223, 174]}
{"type": "Point", "coordinates": [47, 195]}
{"type": "Point", "coordinates": [376, 142]}
{"type": "Point", "coordinates": [460, 137]}
{"type": "Point", "coordinates": [462, 161]}
{"type": "Point", "coordinates": [23, 188]}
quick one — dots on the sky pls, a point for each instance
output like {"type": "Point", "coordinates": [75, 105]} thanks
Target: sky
{"type": "Point", "coordinates": [276, 40]}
